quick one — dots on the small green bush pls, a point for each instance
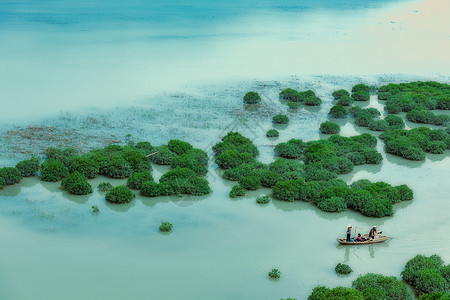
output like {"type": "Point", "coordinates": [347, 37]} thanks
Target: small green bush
{"type": "Point", "coordinates": [137, 159]}
{"type": "Point", "coordinates": [430, 280]}
{"type": "Point", "coordinates": [405, 192]}
{"type": "Point", "coordinates": [293, 105]}
{"type": "Point", "coordinates": [272, 133]}
{"type": "Point", "coordinates": [361, 87]}
{"type": "Point", "coordinates": [395, 122]}
{"type": "Point", "coordinates": [164, 156]}
{"type": "Point", "coordinates": [250, 182]}
{"type": "Point", "coordinates": [312, 101]}
{"type": "Point", "coordinates": [29, 167]}
{"type": "Point", "coordinates": [290, 95]}
{"type": "Point", "coordinates": [118, 168]}
{"type": "Point", "coordinates": [363, 120]}
{"type": "Point", "coordinates": [151, 189]}
{"type": "Point", "coordinates": [333, 204]}
{"type": "Point", "coordinates": [340, 93]}
{"type": "Point", "coordinates": [95, 209]}
{"type": "Point", "coordinates": [252, 98]}
{"type": "Point", "coordinates": [435, 296]}
{"type": "Point", "coordinates": [280, 119]}
{"type": "Point", "coordinates": [338, 112]}
{"type": "Point", "coordinates": [187, 161]}
{"type": "Point", "coordinates": [378, 125]}
{"type": "Point", "coordinates": [377, 286]}
{"type": "Point", "coordinates": [328, 127]}
{"type": "Point", "coordinates": [235, 141]}
{"type": "Point", "coordinates": [77, 184]}
{"type": "Point", "coordinates": [53, 170]}
{"type": "Point", "coordinates": [345, 101]}
{"type": "Point", "coordinates": [84, 165]}
{"type": "Point", "coordinates": [232, 159]}
{"type": "Point", "coordinates": [119, 194]}
{"type": "Point", "coordinates": [291, 149]}
{"type": "Point", "coordinates": [137, 179]}
{"type": "Point", "coordinates": [165, 226]}
{"type": "Point", "coordinates": [183, 181]}
{"type": "Point", "coordinates": [361, 96]}
{"type": "Point", "coordinates": [11, 175]}
{"type": "Point", "coordinates": [179, 147]}
{"type": "Point", "coordinates": [2, 183]}
{"type": "Point", "coordinates": [237, 191]}
{"type": "Point", "coordinates": [287, 190]}
{"type": "Point", "coordinates": [263, 199]}
{"type": "Point", "coordinates": [275, 274]}
{"type": "Point", "coordinates": [104, 186]}
{"type": "Point", "coordinates": [343, 269]}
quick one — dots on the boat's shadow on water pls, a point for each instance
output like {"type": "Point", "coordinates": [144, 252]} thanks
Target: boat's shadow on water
{"type": "Point", "coordinates": [357, 251]}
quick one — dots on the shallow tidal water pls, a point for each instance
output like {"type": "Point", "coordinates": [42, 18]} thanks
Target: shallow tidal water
{"type": "Point", "coordinates": [186, 80]}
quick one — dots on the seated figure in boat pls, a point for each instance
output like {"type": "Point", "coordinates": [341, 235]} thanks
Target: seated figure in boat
{"type": "Point", "coordinates": [359, 238]}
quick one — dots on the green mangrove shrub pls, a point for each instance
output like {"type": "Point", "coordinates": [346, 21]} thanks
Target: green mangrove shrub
{"type": "Point", "coordinates": [323, 293]}
{"type": "Point", "coordinates": [95, 209]}
{"type": "Point", "coordinates": [337, 95]}
{"type": "Point", "coordinates": [345, 101]}
{"type": "Point", "coordinates": [190, 162]}
{"type": "Point", "coordinates": [104, 186]}
{"type": "Point", "coordinates": [165, 226]}
{"type": "Point", "coordinates": [138, 161]}
{"type": "Point", "coordinates": [361, 96]}
{"type": "Point", "coordinates": [252, 98]}
{"type": "Point", "coordinates": [272, 133]}
{"type": "Point", "coordinates": [28, 167]}
{"type": "Point", "coordinates": [85, 165]}
{"type": "Point", "coordinates": [377, 286]}
{"type": "Point", "coordinates": [2, 183]}
{"type": "Point", "coordinates": [137, 179]}
{"type": "Point", "coordinates": [119, 194]}
{"type": "Point", "coordinates": [118, 167]}
{"type": "Point", "coordinates": [312, 101]}
{"type": "Point", "coordinates": [361, 87]}
{"type": "Point", "coordinates": [236, 142]}
{"type": "Point", "coordinates": [333, 204]}
{"type": "Point", "coordinates": [328, 127]}
{"type": "Point", "coordinates": [77, 184]}
{"type": "Point", "coordinates": [280, 119]}
{"type": "Point", "coordinates": [237, 191]}
{"type": "Point", "coordinates": [395, 122]}
{"type": "Point", "coordinates": [179, 147]}
{"type": "Point", "coordinates": [435, 296]}
{"type": "Point", "coordinates": [364, 120]}
{"type": "Point", "coordinates": [10, 175]}
{"type": "Point", "coordinates": [263, 199]}
{"type": "Point", "coordinates": [250, 182]}
{"type": "Point", "coordinates": [233, 159]}
{"type": "Point", "coordinates": [378, 125]}
{"type": "Point", "coordinates": [343, 269]}
{"type": "Point", "coordinates": [152, 189]}
{"type": "Point", "coordinates": [164, 156]}
{"type": "Point", "coordinates": [293, 105]}
{"type": "Point", "coordinates": [291, 149]}
{"type": "Point", "coordinates": [275, 274]}
{"type": "Point", "coordinates": [53, 170]}
{"type": "Point", "coordinates": [420, 115]}
{"type": "Point", "coordinates": [290, 95]}
{"type": "Point", "coordinates": [183, 181]}
{"type": "Point", "coordinates": [338, 112]}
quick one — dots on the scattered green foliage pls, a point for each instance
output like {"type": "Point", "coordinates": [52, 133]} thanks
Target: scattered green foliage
{"type": "Point", "coordinates": [77, 184]}
{"type": "Point", "coordinates": [28, 167]}
{"type": "Point", "coordinates": [338, 112]}
{"type": "Point", "coordinates": [275, 274]}
{"type": "Point", "coordinates": [104, 186]}
{"type": "Point", "coordinates": [10, 175]}
{"type": "Point", "coordinates": [328, 127]}
{"type": "Point", "coordinates": [95, 209]}
{"type": "Point", "coordinates": [343, 269]}
{"type": "Point", "coordinates": [237, 191]}
{"type": "Point", "coordinates": [119, 194]}
{"type": "Point", "coordinates": [165, 226]}
{"type": "Point", "coordinates": [271, 133]}
{"type": "Point", "coordinates": [137, 179]}
{"type": "Point", "coordinates": [53, 170]}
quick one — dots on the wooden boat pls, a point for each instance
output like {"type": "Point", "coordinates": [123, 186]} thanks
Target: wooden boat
{"type": "Point", "coordinates": [380, 239]}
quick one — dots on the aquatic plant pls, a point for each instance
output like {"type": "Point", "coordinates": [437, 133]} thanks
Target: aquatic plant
{"type": "Point", "coordinates": [2, 183]}
{"type": "Point", "coordinates": [280, 119]}
{"type": "Point", "coordinates": [343, 269]}
{"type": "Point", "coordinates": [137, 179]}
{"type": "Point", "coordinates": [263, 199]}
{"type": "Point", "coordinates": [395, 122]}
{"type": "Point", "coordinates": [104, 186]}
{"type": "Point", "coordinates": [137, 160]}
{"type": "Point", "coordinates": [275, 274]}
{"type": "Point", "coordinates": [338, 112]}
{"type": "Point", "coordinates": [333, 204]}
{"type": "Point", "coordinates": [53, 170]}
{"type": "Point", "coordinates": [357, 111]}
{"type": "Point", "coordinates": [247, 169]}
{"type": "Point", "coordinates": [118, 168]}
{"type": "Point", "coordinates": [360, 96]}
{"type": "Point", "coordinates": [237, 191]}
{"type": "Point", "coordinates": [119, 194]}
{"type": "Point", "coordinates": [345, 101]}
{"type": "Point", "coordinates": [272, 133]}
{"type": "Point", "coordinates": [287, 190]}
{"type": "Point", "coordinates": [324, 293]}
{"type": "Point", "coordinates": [163, 156]}
{"type": "Point", "coordinates": [165, 226]}
{"type": "Point", "coordinates": [232, 159]}
{"type": "Point", "coordinates": [328, 127]}
{"type": "Point", "coordinates": [10, 175]}
{"type": "Point", "coordinates": [293, 105]}
{"type": "Point", "coordinates": [290, 95]}
{"type": "Point", "coordinates": [77, 184]}
{"type": "Point", "coordinates": [252, 98]}
{"type": "Point", "coordinates": [420, 115]}
{"type": "Point", "coordinates": [361, 87]}
{"type": "Point", "coordinates": [316, 172]}
{"type": "Point", "coordinates": [179, 147]}
{"type": "Point", "coordinates": [405, 192]}
{"type": "Point", "coordinates": [190, 162]}
{"type": "Point", "coordinates": [337, 95]}
{"type": "Point", "coordinates": [378, 125]}
{"type": "Point", "coordinates": [363, 120]}
{"type": "Point", "coordinates": [95, 209]}
{"type": "Point", "coordinates": [199, 155]}
{"type": "Point", "coordinates": [377, 286]}
{"type": "Point", "coordinates": [312, 101]}
{"type": "Point", "coordinates": [291, 149]}
{"type": "Point", "coordinates": [152, 189]}
{"type": "Point", "coordinates": [434, 296]}
{"type": "Point", "coordinates": [84, 165]}
{"type": "Point", "coordinates": [250, 182]}
{"type": "Point", "coordinates": [183, 181]}
{"type": "Point", "coordinates": [28, 167]}
{"type": "Point", "coordinates": [237, 142]}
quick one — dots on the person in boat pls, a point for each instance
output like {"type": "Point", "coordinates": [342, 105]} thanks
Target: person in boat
{"type": "Point", "coordinates": [349, 232]}
{"type": "Point", "coordinates": [373, 234]}
{"type": "Point", "coordinates": [359, 238]}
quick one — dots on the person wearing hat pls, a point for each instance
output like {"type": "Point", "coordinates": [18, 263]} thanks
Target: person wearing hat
{"type": "Point", "coordinates": [349, 232]}
{"type": "Point", "coordinates": [373, 234]}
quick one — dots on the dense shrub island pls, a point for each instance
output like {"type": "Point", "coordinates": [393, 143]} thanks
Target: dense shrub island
{"type": "Point", "coordinates": [137, 160]}
{"type": "Point", "coordinates": [363, 120]}
{"type": "Point", "coordinates": [312, 101]}
{"type": "Point", "coordinates": [328, 127]}
{"type": "Point", "coordinates": [250, 182]}
{"type": "Point", "coordinates": [420, 115]}
{"type": "Point", "coordinates": [324, 293]}
{"type": "Point", "coordinates": [2, 183]}
{"type": "Point", "coordinates": [183, 181]}
{"type": "Point", "coordinates": [271, 133]}
{"type": "Point", "coordinates": [63, 155]}
{"type": "Point", "coordinates": [378, 125]}
{"type": "Point", "coordinates": [165, 226]}
{"type": "Point", "coordinates": [190, 162]}
{"type": "Point", "coordinates": [360, 96]}
{"type": "Point", "coordinates": [263, 199]}
{"type": "Point", "coordinates": [246, 169]}
{"type": "Point", "coordinates": [137, 179]}
{"type": "Point", "coordinates": [77, 184]}
{"type": "Point", "coordinates": [333, 204]}
{"type": "Point", "coordinates": [237, 191]}
{"type": "Point", "coordinates": [338, 112]}
{"type": "Point", "coordinates": [151, 189]}
{"type": "Point", "coordinates": [164, 156]}
{"type": "Point", "coordinates": [361, 87]}
{"type": "Point", "coordinates": [118, 168]}
{"type": "Point", "coordinates": [252, 98]}
{"type": "Point", "coordinates": [290, 95]}
{"type": "Point", "coordinates": [412, 144]}
{"type": "Point", "coordinates": [340, 93]}
{"type": "Point", "coordinates": [291, 149]}
{"type": "Point", "coordinates": [395, 122]}
{"type": "Point", "coordinates": [179, 147]}
{"type": "Point", "coordinates": [306, 94]}
{"type": "Point", "coordinates": [345, 101]}
{"type": "Point", "coordinates": [377, 286]}
{"type": "Point", "coordinates": [85, 165]}
{"type": "Point", "coordinates": [232, 159]}
{"type": "Point", "coordinates": [53, 170]}
{"type": "Point", "coordinates": [10, 175]}
{"type": "Point", "coordinates": [280, 119]}
{"type": "Point", "coordinates": [119, 194]}
{"type": "Point", "coordinates": [343, 269]}
{"type": "Point", "coordinates": [357, 111]}
{"type": "Point", "coordinates": [274, 274]}
{"type": "Point", "coordinates": [427, 274]}
{"type": "Point", "coordinates": [235, 141]}
{"type": "Point", "coordinates": [28, 167]}
{"type": "Point", "coordinates": [199, 155]}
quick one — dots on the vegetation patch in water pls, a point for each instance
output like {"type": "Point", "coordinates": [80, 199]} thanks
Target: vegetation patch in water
{"type": "Point", "coordinates": [290, 95]}
{"type": "Point", "coordinates": [28, 167]}
{"type": "Point", "coordinates": [328, 127]}
{"type": "Point", "coordinates": [119, 194]}
{"type": "Point", "coordinates": [137, 179]}
{"type": "Point", "coordinates": [165, 226]}
{"type": "Point", "coordinates": [10, 175]}
{"type": "Point", "coordinates": [290, 149]}
{"type": "Point", "coordinates": [237, 191]}
{"type": "Point", "coordinates": [338, 112]}
{"type": "Point", "coordinates": [421, 115]}
{"type": "Point", "coordinates": [263, 199]}
{"type": "Point", "coordinates": [275, 274]}
{"type": "Point", "coordinates": [280, 119]}
{"type": "Point", "coordinates": [252, 98]}
{"type": "Point", "coordinates": [53, 170]}
{"type": "Point", "coordinates": [339, 94]}
{"type": "Point", "coordinates": [76, 183]}
{"type": "Point", "coordinates": [104, 186]}
{"type": "Point", "coordinates": [343, 269]}
{"type": "Point", "coordinates": [271, 133]}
